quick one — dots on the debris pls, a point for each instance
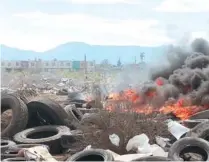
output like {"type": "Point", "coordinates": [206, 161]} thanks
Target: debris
{"type": "Point", "coordinates": [176, 129]}
{"type": "Point", "coordinates": [115, 140]}
{"type": "Point", "coordinates": [38, 153]}
{"type": "Point", "coordinates": [137, 141]}
{"type": "Point", "coordinates": [162, 142]}
{"type": "Point", "coordinates": [158, 151]}
{"type": "Point", "coordinates": [88, 147]}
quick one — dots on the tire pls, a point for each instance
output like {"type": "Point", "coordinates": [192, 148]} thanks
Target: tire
{"type": "Point", "coordinates": [10, 154]}
{"type": "Point", "coordinates": [201, 115]}
{"type": "Point", "coordinates": [14, 159]}
{"type": "Point", "coordinates": [40, 136]}
{"type": "Point", "coordinates": [75, 116]}
{"type": "Point", "coordinates": [192, 123]}
{"type": "Point", "coordinates": [92, 155]}
{"type": "Point", "coordinates": [14, 151]}
{"type": "Point", "coordinates": [201, 131]}
{"type": "Point", "coordinates": [152, 158]}
{"type": "Point", "coordinates": [5, 144]}
{"type": "Point", "coordinates": [76, 98]}
{"type": "Point", "coordinates": [46, 112]}
{"type": "Point", "coordinates": [19, 114]}
{"type": "Point", "coordinates": [194, 144]}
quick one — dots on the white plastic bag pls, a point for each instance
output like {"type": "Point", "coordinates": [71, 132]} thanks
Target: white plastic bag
{"type": "Point", "coordinates": [137, 141]}
{"type": "Point", "coordinates": [115, 140]}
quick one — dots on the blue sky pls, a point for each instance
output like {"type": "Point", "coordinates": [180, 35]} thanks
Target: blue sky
{"type": "Point", "coordinates": [43, 24]}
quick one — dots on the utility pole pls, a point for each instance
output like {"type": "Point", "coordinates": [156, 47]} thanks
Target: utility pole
{"type": "Point", "coordinates": [85, 67]}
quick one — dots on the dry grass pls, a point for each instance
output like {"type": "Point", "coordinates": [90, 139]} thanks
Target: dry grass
{"type": "Point", "coordinates": [125, 125]}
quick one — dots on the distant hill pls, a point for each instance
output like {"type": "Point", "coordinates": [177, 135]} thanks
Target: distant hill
{"type": "Point", "coordinates": [76, 51]}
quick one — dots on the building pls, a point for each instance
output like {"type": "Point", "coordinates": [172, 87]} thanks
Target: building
{"type": "Point", "coordinates": [49, 65]}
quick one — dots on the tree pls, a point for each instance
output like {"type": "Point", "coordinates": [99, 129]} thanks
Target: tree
{"type": "Point", "coordinates": [119, 63]}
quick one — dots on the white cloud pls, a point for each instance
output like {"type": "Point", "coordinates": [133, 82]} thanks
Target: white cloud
{"type": "Point", "coordinates": [200, 34]}
{"type": "Point", "coordinates": [105, 1]}
{"type": "Point", "coordinates": [97, 1]}
{"type": "Point", "coordinates": [40, 31]}
{"type": "Point", "coordinates": [183, 6]}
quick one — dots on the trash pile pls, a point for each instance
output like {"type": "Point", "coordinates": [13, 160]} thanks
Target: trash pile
{"type": "Point", "coordinates": [164, 120]}
{"type": "Point", "coordinates": [40, 130]}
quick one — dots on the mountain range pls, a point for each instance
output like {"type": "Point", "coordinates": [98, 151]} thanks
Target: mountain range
{"type": "Point", "coordinates": [76, 51]}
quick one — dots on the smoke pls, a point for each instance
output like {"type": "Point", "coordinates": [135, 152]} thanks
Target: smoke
{"type": "Point", "coordinates": [187, 73]}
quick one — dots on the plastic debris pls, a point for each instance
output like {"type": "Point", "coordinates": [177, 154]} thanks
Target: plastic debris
{"type": "Point", "coordinates": [137, 141]}
{"type": "Point", "coordinates": [158, 151]}
{"type": "Point", "coordinates": [162, 142]}
{"type": "Point", "coordinates": [87, 147]}
{"type": "Point", "coordinates": [38, 153]}
{"type": "Point", "coordinates": [115, 140]}
{"type": "Point", "coordinates": [176, 129]}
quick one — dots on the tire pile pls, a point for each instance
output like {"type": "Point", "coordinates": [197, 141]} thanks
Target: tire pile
{"type": "Point", "coordinates": [44, 122]}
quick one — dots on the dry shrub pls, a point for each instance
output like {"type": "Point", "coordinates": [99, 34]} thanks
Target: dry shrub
{"type": "Point", "coordinates": [98, 127]}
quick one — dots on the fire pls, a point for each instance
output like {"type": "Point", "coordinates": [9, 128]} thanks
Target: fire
{"type": "Point", "coordinates": [181, 109]}
{"type": "Point", "coordinates": [159, 82]}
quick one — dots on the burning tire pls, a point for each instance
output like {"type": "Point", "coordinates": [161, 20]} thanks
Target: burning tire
{"type": "Point", "coordinates": [19, 114]}
{"type": "Point", "coordinates": [181, 150]}
{"type": "Point", "coordinates": [201, 131]}
{"type": "Point", "coordinates": [152, 158]}
{"type": "Point", "coordinates": [201, 115]}
{"type": "Point", "coordinates": [5, 144]}
{"type": "Point", "coordinates": [91, 155]}
{"type": "Point", "coordinates": [47, 135]}
{"type": "Point", "coordinates": [75, 116]}
{"type": "Point", "coordinates": [46, 112]}
{"type": "Point", "coordinates": [14, 159]}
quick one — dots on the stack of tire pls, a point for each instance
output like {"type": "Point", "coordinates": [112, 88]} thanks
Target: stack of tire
{"type": "Point", "coordinates": [37, 122]}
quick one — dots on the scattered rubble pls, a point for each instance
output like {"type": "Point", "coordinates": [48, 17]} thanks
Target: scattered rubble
{"type": "Point", "coordinates": [53, 118]}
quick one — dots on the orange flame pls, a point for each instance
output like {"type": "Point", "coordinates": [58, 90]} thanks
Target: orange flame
{"type": "Point", "coordinates": [180, 109]}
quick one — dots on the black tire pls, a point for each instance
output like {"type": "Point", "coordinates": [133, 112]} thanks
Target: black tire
{"type": "Point", "coordinates": [9, 154]}
{"type": "Point", "coordinates": [76, 98]}
{"type": "Point", "coordinates": [183, 145]}
{"type": "Point", "coordinates": [5, 144]}
{"type": "Point", "coordinates": [201, 115]}
{"type": "Point", "coordinates": [75, 116]}
{"type": "Point", "coordinates": [201, 131]}
{"type": "Point", "coordinates": [192, 123]}
{"type": "Point", "coordinates": [14, 159]}
{"type": "Point", "coordinates": [19, 114]}
{"type": "Point", "coordinates": [46, 112]}
{"type": "Point", "coordinates": [92, 155]}
{"type": "Point", "coordinates": [152, 158]}
{"type": "Point", "coordinates": [47, 135]}
{"type": "Point", "coordinates": [13, 151]}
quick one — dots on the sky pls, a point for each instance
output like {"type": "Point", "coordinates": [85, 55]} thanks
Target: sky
{"type": "Point", "coordinates": [40, 25]}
